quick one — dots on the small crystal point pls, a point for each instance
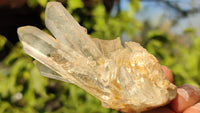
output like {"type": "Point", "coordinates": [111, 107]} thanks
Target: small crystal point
{"type": "Point", "coordinates": [126, 78]}
{"type": "Point", "coordinates": [67, 30]}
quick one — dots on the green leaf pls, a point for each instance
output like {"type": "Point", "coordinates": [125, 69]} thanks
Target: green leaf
{"type": "Point", "coordinates": [4, 85]}
{"type": "Point", "coordinates": [99, 11]}
{"type": "Point", "coordinates": [39, 82]}
{"type": "Point", "coordinates": [3, 41]}
{"type": "Point", "coordinates": [74, 4]}
{"type": "Point", "coordinates": [15, 71]}
{"type": "Point", "coordinates": [4, 106]}
{"type": "Point", "coordinates": [42, 2]}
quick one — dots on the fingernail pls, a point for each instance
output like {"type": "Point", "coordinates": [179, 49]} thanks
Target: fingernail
{"type": "Point", "coordinates": [183, 93]}
{"type": "Point", "coordinates": [197, 106]}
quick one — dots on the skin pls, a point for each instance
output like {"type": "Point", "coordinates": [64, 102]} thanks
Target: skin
{"type": "Point", "coordinates": [186, 101]}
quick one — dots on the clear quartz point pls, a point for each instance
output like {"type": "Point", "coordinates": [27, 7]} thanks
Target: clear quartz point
{"type": "Point", "coordinates": [125, 78]}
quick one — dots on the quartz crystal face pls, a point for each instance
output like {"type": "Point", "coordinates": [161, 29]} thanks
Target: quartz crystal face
{"type": "Point", "coordinates": [125, 78]}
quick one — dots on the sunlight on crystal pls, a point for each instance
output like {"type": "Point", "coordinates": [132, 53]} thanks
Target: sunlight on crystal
{"type": "Point", "coordinates": [125, 78]}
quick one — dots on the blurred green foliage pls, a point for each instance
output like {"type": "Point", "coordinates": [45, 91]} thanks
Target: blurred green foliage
{"type": "Point", "coordinates": [24, 90]}
{"type": "Point", "coordinates": [3, 41]}
{"type": "Point", "coordinates": [182, 59]}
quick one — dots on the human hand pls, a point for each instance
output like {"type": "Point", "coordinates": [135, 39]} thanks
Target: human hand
{"type": "Point", "coordinates": [186, 101]}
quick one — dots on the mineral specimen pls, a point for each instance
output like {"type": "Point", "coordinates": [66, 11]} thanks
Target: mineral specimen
{"type": "Point", "coordinates": [125, 78]}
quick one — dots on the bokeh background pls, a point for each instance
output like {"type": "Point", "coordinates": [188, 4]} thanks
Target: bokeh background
{"type": "Point", "coordinates": [169, 29]}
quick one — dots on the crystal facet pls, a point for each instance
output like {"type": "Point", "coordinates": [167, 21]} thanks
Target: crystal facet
{"type": "Point", "coordinates": [125, 78]}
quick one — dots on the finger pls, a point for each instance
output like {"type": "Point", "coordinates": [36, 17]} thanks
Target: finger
{"type": "Point", "coordinates": [187, 96]}
{"type": "Point", "coordinates": [168, 73]}
{"type": "Point", "coordinates": [193, 109]}
{"type": "Point", "coordinates": [160, 110]}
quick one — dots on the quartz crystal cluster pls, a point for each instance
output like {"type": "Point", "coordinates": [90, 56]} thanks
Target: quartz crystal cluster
{"type": "Point", "coordinates": [125, 78]}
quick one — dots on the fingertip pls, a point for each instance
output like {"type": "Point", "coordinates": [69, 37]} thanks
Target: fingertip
{"type": "Point", "coordinates": [187, 95]}
{"type": "Point", "coordinates": [168, 73]}
{"type": "Point", "coordinates": [180, 103]}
